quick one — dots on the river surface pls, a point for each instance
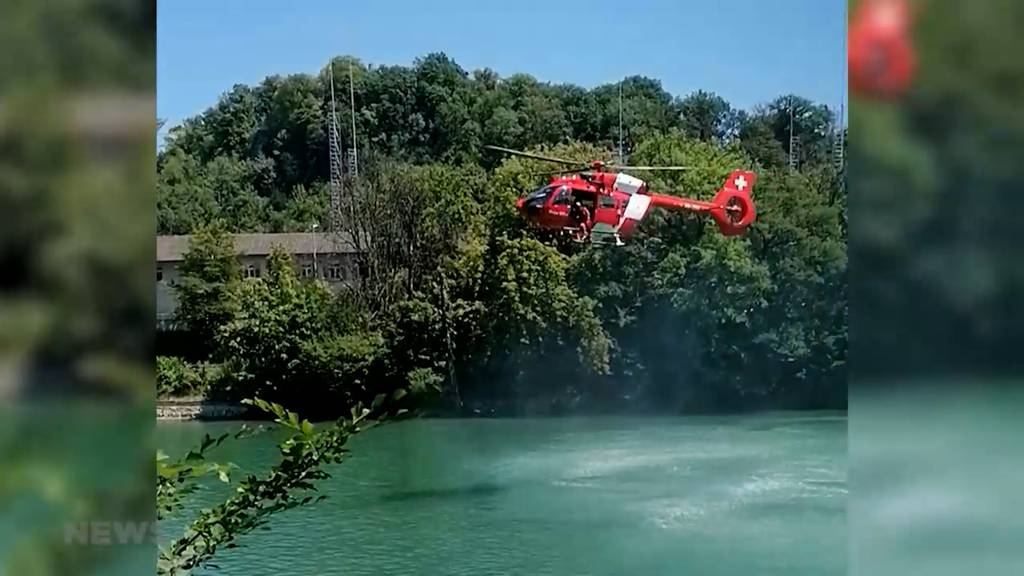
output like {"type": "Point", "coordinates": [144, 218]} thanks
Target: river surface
{"type": "Point", "coordinates": [739, 495]}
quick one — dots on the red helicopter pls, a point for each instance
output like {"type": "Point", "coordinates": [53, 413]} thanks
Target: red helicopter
{"type": "Point", "coordinates": [598, 203]}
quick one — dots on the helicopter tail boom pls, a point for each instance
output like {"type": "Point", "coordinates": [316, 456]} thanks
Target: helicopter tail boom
{"type": "Point", "coordinates": [678, 204]}
{"type": "Point", "coordinates": [732, 207]}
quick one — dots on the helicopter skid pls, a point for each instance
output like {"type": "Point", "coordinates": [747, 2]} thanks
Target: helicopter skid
{"type": "Point", "coordinates": [595, 237]}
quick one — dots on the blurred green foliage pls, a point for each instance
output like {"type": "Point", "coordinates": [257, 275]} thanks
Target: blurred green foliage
{"type": "Point", "coordinates": [76, 299]}
{"type": "Point", "coordinates": [936, 301]}
{"type": "Point", "coordinates": [935, 177]}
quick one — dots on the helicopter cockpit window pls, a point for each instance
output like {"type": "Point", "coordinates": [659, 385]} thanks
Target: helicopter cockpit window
{"type": "Point", "coordinates": [563, 197]}
{"type": "Point", "coordinates": [537, 198]}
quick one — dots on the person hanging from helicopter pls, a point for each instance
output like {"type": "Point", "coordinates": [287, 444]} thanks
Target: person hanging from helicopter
{"type": "Point", "coordinates": [580, 215]}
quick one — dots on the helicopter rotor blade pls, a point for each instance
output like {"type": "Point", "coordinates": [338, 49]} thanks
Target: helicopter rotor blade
{"type": "Point", "coordinates": [649, 168]}
{"type": "Point", "coordinates": [533, 156]}
{"type": "Point", "coordinates": [581, 166]}
{"type": "Point", "coordinates": [561, 171]}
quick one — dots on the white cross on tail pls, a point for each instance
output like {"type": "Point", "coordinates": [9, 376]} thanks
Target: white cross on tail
{"type": "Point", "coordinates": [740, 182]}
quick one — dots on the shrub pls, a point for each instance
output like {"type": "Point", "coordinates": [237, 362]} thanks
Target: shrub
{"type": "Point", "coordinates": [176, 377]}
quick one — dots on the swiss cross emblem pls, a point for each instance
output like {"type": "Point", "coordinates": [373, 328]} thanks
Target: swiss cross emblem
{"type": "Point", "coordinates": [740, 182]}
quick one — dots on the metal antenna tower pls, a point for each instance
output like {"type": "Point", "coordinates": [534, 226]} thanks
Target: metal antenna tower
{"type": "Point", "coordinates": [337, 175]}
{"type": "Point", "coordinates": [838, 143]}
{"type": "Point", "coordinates": [839, 140]}
{"type": "Point", "coordinates": [794, 142]}
{"type": "Point", "coordinates": [622, 159]}
{"type": "Point", "coordinates": [353, 153]}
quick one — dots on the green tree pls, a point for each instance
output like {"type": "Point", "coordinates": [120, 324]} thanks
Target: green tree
{"type": "Point", "coordinates": [307, 207]}
{"type": "Point", "coordinates": [288, 343]}
{"type": "Point", "coordinates": [182, 203]}
{"type": "Point", "coordinates": [444, 99]}
{"type": "Point", "coordinates": [538, 327]}
{"type": "Point", "coordinates": [646, 111]}
{"type": "Point", "coordinates": [708, 117]}
{"type": "Point", "coordinates": [207, 293]}
{"type": "Point", "coordinates": [811, 124]}
{"type": "Point", "coordinates": [190, 194]}
{"type": "Point", "coordinates": [417, 217]}
{"type": "Point", "coordinates": [801, 237]}
{"type": "Point", "coordinates": [275, 317]}
{"type": "Point", "coordinates": [705, 322]}
{"type": "Point", "coordinates": [390, 120]}
{"type": "Point", "coordinates": [757, 139]}
{"type": "Point", "coordinates": [233, 122]}
{"type": "Point", "coordinates": [230, 180]}
{"type": "Point", "coordinates": [292, 134]}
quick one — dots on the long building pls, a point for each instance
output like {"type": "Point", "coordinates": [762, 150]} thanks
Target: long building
{"type": "Point", "coordinates": [316, 255]}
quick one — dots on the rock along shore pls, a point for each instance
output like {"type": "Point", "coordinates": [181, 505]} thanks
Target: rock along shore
{"type": "Point", "coordinates": [197, 409]}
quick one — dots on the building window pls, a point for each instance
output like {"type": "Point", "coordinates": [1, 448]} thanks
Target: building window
{"type": "Point", "coordinates": [334, 272]}
{"type": "Point", "coordinates": [252, 271]}
{"type": "Point", "coordinates": [307, 270]}
{"type": "Point", "coordinates": [159, 274]}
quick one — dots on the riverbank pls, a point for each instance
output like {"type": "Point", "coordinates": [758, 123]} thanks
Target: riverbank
{"type": "Point", "coordinates": [197, 408]}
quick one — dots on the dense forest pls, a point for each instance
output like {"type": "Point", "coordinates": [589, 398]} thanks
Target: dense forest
{"type": "Point", "coordinates": [460, 297]}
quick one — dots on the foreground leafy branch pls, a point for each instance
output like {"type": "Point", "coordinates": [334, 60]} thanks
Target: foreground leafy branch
{"type": "Point", "coordinates": [177, 479]}
{"type": "Point", "coordinates": [288, 484]}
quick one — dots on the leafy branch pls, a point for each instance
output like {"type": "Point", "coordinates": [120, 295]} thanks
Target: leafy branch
{"type": "Point", "coordinates": [288, 485]}
{"type": "Point", "coordinates": [176, 479]}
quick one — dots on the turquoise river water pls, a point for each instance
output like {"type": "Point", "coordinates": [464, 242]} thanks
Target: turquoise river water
{"type": "Point", "coordinates": [737, 495]}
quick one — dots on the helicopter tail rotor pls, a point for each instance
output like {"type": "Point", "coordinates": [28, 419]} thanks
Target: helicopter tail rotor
{"type": "Point", "coordinates": [732, 207]}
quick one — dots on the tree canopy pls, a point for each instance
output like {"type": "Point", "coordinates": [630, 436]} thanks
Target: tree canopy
{"type": "Point", "coordinates": [258, 158]}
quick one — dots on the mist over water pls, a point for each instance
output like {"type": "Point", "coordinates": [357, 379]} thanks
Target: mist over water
{"type": "Point", "coordinates": [755, 494]}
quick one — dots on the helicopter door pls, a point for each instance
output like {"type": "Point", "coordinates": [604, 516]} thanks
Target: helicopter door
{"type": "Point", "coordinates": [558, 210]}
{"type": "Point", "coordinates": [607, 211]}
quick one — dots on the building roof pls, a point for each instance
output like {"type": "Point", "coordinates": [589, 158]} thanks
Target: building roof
{"type": "Point", "coordinates": [174, 248]}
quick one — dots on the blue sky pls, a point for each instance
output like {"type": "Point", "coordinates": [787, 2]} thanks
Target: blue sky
{"type": "Point", "coordinates": [748, 51]}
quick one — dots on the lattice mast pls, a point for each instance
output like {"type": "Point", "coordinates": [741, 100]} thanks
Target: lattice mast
{"type": "Point", "coordinates": [353, 152]}
{"type": "Point", "coordinates": [622, 158]}
{"type": "Point", "coordinates": [794, 142]}
{"type": "Point", "coordinates": [337, 182]}
{"type": "Point", "coordinates": [839, 143]}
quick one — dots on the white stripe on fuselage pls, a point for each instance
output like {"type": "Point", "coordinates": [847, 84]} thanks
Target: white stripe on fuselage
{"type": "Point", "coordinates": [628, 184]}
{"type": "Point", "coordinates": [635, 208]}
